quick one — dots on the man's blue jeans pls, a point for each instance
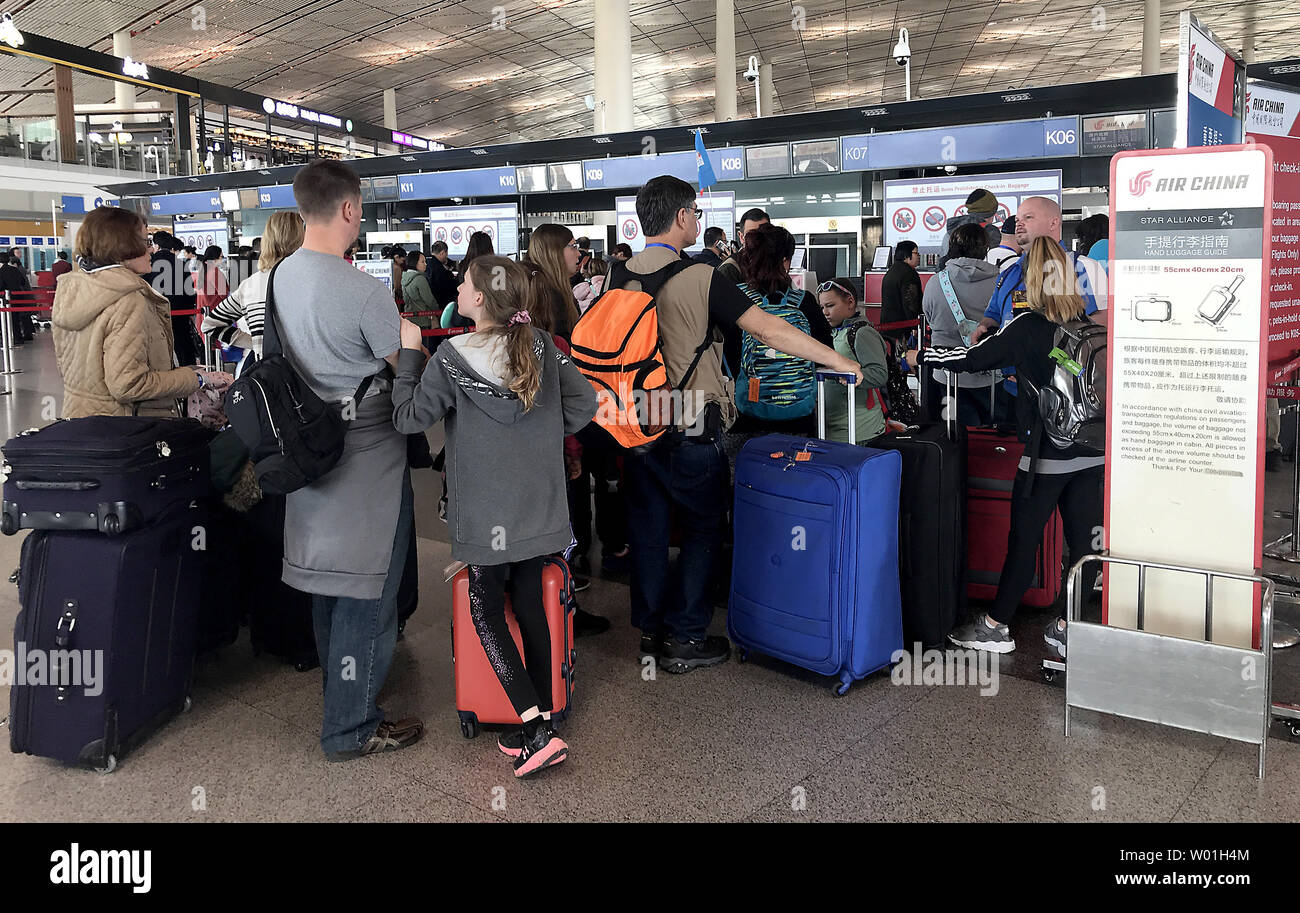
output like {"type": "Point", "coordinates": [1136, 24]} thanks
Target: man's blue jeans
{"type": "Point", "coordinates": [356, 639]}
{"type": "Point", "coordinates": [693, 477]}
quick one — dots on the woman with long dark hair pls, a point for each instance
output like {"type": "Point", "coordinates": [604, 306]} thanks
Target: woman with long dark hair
{"type": "Point", "coordinates": [775, 392]}
{"type": "Point", "coordinates": [478, 245]}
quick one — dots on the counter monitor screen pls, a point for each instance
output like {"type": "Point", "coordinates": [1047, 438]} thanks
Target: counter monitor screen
{"type": "Point", "coordinates": [796, 262]}
{"type": "Point", "coordinates": [385, 188]}
{"type": "Point", "coordinates": [531, 179]}
{"type": "Point", "coordinates": [817, 157]}
{"type": "Point", "coordinates": [767, 161]}
{"type": "Point", "coordinates": [881, 259]}
{"type": "Point", "coordinates": [565, 176]}
{"type": "Point", "coordinates": [230, 200]}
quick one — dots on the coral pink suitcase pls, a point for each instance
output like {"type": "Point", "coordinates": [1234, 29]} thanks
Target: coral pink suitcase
{"type": "Point", "coordinates": [479, 695]}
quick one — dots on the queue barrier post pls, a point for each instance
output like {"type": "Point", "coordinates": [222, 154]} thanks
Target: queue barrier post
{"type": "Point", "coordinates": [1175, 681]}
{"type": "Point", "coordinates": [7, 339]}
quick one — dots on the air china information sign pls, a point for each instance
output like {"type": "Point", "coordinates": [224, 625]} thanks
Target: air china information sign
{"type": "Point", "coordinates": [1188, 329]}
{"type": "Point", "coordinates": [1211, 85]}
{"type": "Point", "coordinates": [1052, 137]}
{"type": "Point", "coordinates": [918, 209]}
{"type": "Point", "coordinates": [1273, 120]}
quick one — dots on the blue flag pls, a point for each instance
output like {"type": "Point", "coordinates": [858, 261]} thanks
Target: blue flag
{"type": "Point", "coordinates": [703, 165]}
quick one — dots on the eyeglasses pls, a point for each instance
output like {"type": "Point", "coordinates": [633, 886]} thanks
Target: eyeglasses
{"type": "Point", "coordinates": [573, 245]}
{"type": "Point", "coordinates": [830, 284]}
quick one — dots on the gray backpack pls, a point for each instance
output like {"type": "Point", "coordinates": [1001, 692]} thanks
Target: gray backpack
{"type": "Point", "coordinates": [1073, 405]}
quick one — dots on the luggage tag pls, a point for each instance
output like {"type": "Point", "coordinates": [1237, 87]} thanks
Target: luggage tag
{"type": "Point", "coordinates": [753, 389]}
{"type": "Point", "coordinates": [1063, 359]}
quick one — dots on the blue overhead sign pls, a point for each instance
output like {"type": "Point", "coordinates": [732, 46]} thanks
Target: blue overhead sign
{"type": "Point", "coordinates": [279, 196]}
{"type": "Point", "coordinates": [443, 185]}
{"type": "Point", "coordinates": [635, 170]}
{"type": "Point", "coordinates": [1052, 137]}
{"type": "Point", "coordinates": [180, 204]}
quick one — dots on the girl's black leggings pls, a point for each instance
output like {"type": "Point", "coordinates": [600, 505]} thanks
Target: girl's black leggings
{"type": "Point", "coordinates": [527, 681]}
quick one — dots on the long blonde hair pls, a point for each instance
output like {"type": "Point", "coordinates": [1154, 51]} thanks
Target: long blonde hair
{"type": "Point", "coordinates": [282, 237]}
{"type": "Point", "coordinates": [507, 289]}
{"type": "Point", "coordinates": [1051, 286]}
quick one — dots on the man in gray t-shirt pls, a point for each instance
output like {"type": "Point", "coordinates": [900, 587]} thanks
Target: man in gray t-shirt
{"type": "Point", "coordinates": [337, 323]}
{"type": "Point", "coordinates": [347, 535]}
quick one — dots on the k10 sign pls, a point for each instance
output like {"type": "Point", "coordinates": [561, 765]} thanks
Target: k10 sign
{"type": "Point", "coordinates": [1052, 137]}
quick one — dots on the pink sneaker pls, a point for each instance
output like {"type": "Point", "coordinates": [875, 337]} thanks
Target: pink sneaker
{"type": "Point", "coordinates": [545, 749]}
{"type": "Point", "coordinates": [511, 743]}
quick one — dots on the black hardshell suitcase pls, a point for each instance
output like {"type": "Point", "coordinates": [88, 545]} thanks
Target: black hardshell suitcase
{"type": "Point", "coordinates": [279, 617]}
{"type": "Point", "coordinates": [108, 473]}
{"type": "Point", "coordinates": [130, 604]}
{"type": "Point", "coordinates": [932, 537]}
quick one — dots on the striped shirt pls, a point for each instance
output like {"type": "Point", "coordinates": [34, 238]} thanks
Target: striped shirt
{"type": "Point", "coordinates": [246, 305]}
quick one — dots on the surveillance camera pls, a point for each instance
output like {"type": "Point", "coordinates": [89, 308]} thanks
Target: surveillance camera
{"type": "Point", "coordinates": [752, 73]}
{"type": "Point", "coordinates": [902, 50]}
{"type": "Point", "coordinates": [950, 169]}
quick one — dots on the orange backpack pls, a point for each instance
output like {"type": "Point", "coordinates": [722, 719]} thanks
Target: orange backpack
{"type": "Point", "coordinates": [616, 346]}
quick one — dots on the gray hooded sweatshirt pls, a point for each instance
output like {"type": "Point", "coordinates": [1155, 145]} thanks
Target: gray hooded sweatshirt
{"type": "Point", "coordinates": [506, 481]}
{"type": "Point", "coordinates": [973, 281]}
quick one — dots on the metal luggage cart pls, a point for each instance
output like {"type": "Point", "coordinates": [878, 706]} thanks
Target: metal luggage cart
{"type": "Point", "coordinates": [1189, 684]}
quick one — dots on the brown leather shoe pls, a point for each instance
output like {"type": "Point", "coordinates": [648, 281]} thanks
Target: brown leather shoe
{"type": "Point", "coordinates": [389, 736]}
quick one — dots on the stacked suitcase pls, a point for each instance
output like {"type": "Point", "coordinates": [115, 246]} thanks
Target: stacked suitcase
{"type": "Point", "coordinates": [109, 578]}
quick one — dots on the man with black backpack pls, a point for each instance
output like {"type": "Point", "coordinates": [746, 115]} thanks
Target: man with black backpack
{"type": "Point", "coordinates": [686, 469]}
{"type": "Point", "coordinates": [346, 534]}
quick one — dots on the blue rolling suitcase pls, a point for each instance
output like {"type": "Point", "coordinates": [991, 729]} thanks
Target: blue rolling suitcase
{"type": "Point", "coordinates": [815, 568]}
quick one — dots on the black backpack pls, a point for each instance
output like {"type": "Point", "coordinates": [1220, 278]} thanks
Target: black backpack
{"type": "Point", "coordinates": [293, 436]}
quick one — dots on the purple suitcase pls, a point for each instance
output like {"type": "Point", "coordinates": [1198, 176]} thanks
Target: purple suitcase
{"type": "Point", "coordinates": [131, 600]}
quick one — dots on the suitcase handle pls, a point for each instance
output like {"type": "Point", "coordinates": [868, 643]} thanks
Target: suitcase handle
{"type": "Point", "coordinates": [851, 382]}
{"type": "Point", "coordinates": [78, 485]}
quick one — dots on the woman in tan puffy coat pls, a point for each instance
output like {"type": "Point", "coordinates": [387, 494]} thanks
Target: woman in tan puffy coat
{"type": "Point", "coordinates": [112, 331]}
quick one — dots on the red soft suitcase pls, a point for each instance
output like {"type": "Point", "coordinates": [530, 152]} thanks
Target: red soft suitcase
{"type": "Point", "coordinates": [991, 463]}
{"type": "Point", "coordinates": [479, 695]}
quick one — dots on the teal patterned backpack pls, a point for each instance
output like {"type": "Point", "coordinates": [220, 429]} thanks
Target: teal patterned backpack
{"type": "Point", "coordinates": [771, 385]}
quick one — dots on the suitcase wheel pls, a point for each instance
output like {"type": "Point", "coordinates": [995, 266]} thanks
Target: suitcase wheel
{"type": "Point", "coordinates": [8, 525]}
{"type": "Point", "coordinates": [842, 687]}
{"type": "Point", "coordinates": [468, 724]}
{"type": "Point", "coordinates": [188, 705]}
{"type": "Point", "coordinates": [112, 524]}
{"type": "Point", "coordinates": [742, 655]}
{"type": "Point", "coordinates": [109, 765]}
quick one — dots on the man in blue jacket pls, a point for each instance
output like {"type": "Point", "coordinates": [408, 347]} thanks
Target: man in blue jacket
{"type": "Point", "coordinates": [1036, 217]}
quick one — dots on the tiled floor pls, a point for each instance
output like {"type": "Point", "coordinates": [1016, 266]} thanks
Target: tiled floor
{"type": "Point", "coordinates": [756, 741]}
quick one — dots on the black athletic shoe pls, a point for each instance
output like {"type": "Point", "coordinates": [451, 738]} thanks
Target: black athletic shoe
{"type": "Point", "coordinates": [585, 624]}
{"type": "Point", "coordinates": [683, 657]}
{"type": "Point", "coordinates": [651, 645]}
{"type": "Point", "coordinates": [580, 583]}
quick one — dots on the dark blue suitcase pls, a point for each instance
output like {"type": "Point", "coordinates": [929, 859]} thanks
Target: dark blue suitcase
{"type": "Point", "coordinates": [110, 473]}
{"type": "Point", "coordinates": [833, 605]}
{"type": "Point", "coordinates": [134, 600]}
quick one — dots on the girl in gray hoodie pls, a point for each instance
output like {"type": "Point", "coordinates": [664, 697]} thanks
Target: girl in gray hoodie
{"type": "Point", "coordinates": [508, 397]}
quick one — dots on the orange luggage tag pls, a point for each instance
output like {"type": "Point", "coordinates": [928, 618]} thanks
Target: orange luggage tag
{"type": "Point", "coordinates": [753, 389]}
